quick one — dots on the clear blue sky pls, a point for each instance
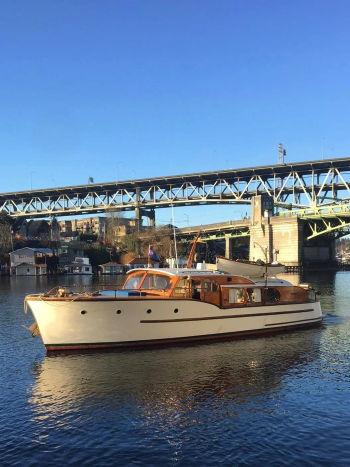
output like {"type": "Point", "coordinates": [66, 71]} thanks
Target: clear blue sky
{"type": "Point", "coordinates": [125, 89]}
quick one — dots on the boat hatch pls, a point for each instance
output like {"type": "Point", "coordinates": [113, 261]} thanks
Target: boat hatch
{"type": "Point", "coordinates": [122, 293]}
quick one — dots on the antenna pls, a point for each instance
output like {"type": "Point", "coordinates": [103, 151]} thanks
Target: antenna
{"type": "Point", "coordinates": [281, 154]}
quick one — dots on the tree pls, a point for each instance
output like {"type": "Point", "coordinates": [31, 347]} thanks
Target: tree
{"type": "Point", "coordinates": [5, 236]}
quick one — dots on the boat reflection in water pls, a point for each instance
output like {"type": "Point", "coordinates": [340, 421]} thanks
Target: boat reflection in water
{"type": "Point", "coordinates": [164, 385]}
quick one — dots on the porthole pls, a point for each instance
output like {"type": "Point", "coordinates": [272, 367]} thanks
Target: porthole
{"type": "Point", "coordinates": [83, 312]}
{"type": "Point", "coordinates": [118, 312]}
{"type": "Point", "coordinates": [149, 310]}
{"type": "Point", "coordinates": [176, 310]}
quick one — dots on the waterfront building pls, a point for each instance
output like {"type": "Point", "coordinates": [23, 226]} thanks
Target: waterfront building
{"type": "Point", "coordinates": [112, 268]}
{"type": "Point", "coordinates": [80, 266]}
{"type": "Point", "coordinates": [141, 262]}
{"type": "Point", "coordinates": [29, 261]}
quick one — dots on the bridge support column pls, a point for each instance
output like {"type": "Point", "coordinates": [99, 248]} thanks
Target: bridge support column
{"type": "Point", "coordinates": [150, 213]}
{"type": "Point", "coordinates": [320, 250]}
{"type": "Point", "coordinates": [274, 238]}
{"type": "Point", "coordinates": [228, 247]}
{"type": "Point", "coordinates": [261, 237]}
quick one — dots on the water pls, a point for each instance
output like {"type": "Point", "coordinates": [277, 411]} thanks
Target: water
{"type": "Point", "coordinates": [278, 400]}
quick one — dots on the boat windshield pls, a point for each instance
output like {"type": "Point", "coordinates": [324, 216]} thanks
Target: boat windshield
{"type": "Point", "coordinates": [156, 282]}
{"type": "Point", "coordinates": [134, 281]}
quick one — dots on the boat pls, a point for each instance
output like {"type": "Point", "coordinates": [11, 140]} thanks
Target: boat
{"type": "Point", "coordinates": [166, 306]}
{"type": "Point", "coordinates": [248, 268]}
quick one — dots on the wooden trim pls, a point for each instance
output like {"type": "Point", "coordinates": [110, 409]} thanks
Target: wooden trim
{"type": "Point", "coordinates": [206, 318]}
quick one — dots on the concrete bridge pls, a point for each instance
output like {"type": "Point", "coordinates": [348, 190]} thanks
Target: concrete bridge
{"type": "Point", "coordinates": [291, 237]}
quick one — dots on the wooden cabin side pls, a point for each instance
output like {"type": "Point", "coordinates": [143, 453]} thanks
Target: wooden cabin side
{"type": "Point", "coordinates": [223, 291]}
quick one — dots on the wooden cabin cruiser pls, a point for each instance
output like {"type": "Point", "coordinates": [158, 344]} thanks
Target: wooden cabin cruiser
{"type": "Point", "coordinates": [161, 306]}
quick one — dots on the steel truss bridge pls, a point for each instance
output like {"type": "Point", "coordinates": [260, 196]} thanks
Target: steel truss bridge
{"type": "Point", "coordinates": [299, 185]}
{"type": "Point", "coordinates": [217, 231]}
{"type": "Point", "coordinates": [333, 219]}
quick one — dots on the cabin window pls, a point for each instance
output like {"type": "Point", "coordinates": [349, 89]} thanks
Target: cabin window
{"type": "Point", "coordinates": [272, 295]}
{"type": "Point", "coordinates": [133, 282]}
{"type": "Point", "coordinates": [196, 289]}
{"type": "Point", "coordinates": [181, 287]}
{"type": "Point", "coordinates": [155, 281]}
{"type": "Point", "coordinates": [254, 295]}
{"type": "Point", "coordinates": [237, 296]}
{"type": "Point", "coordinates": [210, 286]}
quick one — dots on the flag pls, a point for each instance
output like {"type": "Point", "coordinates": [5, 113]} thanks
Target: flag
{"type": "Point", "coordinates": [152, 254]}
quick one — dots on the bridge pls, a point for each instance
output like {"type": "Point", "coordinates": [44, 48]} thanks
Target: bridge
{"type": "Point", "coordinates": [216, 231]}
{"type": "Point", "coordinates": [298, 185]}
{"type": "Point", "coordinates": [313, 201]}
{"type": "Point", "coordinates": [320, 221]}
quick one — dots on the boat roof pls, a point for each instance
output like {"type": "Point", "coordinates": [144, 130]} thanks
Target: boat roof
{"type": "Point", "coordinates": [180, 271]}
{"type": "Point", "coordinates": [185, 272]}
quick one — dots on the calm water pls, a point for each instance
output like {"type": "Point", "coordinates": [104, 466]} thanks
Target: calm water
{"type": "Point", "coordinates": [279, 400]}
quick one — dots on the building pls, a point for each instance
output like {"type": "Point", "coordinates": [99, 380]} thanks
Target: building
{"type": "Point", "coordinates": [29, 261]}
{"type": "Point", "coordinates": [143, 262]}
{"type": "Point", "coordinates": [68, 251]}
{"type": "Point", "coordinates": [80, 266]}
{"type": "Point", "coordinates": [112, 268]}
{"type": "Point", "coordinates": [117, 228]}
{"type": "Point", "coordinates": [71, 229]}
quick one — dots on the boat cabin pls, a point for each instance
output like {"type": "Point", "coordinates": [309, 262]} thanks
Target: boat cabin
{"type": "Point", "coordinates": [223, 290]}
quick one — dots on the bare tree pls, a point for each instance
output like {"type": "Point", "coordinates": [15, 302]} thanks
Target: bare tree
{"type": "Point", "coordinates": [113, 227]}
{"type": "Point", "coordinates": [5, 236]}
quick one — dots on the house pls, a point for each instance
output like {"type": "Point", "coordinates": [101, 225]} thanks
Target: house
{"type": "Point", "coordinates": [68, 251]}
{"type": "Point", "coordinates": [142, 262]}
{"type": "Point", "coordinates": [29, 261]}
{"type": "Point", "coordinates": [80, 266]}
{"type": "Point", "coordinates": [112, 268]}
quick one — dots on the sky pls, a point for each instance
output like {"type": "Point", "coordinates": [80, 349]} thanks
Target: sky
{"type": "Point", "coordinates": [118, 90]}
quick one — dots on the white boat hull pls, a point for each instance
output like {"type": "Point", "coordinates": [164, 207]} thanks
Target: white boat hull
{"type": "Point", "coordinates": [248, 269]}
{"type": "Point", "coordinates": [113, 322]}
